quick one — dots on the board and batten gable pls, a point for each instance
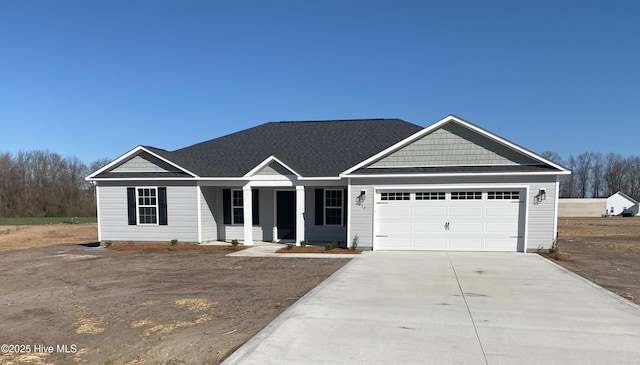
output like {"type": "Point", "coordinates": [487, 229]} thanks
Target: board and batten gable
{"type": "Point", "coordinates": [539, 215]}
{"type": "Point", "coordinates": [453, 145]}
{"type": "Point", "coordinates": [182, 213]}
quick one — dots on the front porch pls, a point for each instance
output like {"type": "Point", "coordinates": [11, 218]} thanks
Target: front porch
{"type": "Point", "coordinates": [285, 214]}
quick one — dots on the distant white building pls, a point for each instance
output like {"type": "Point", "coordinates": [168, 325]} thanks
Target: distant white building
{"type": "Point", "coordinates": [622, 204]}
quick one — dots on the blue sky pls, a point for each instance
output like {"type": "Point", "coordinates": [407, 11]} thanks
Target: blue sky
{"type": "Point", "coordinates": [94, 79]}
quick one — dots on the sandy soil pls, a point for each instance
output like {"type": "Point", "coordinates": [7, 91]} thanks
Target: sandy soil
{"type": "Point", "coordinates": [196, 307]}
{"type": "Point", "coordinates": [141, 307]}
{"type": "Point", "coordinates": [605, 251]}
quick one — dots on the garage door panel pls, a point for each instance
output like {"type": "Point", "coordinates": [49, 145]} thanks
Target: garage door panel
{"type": "Point", "coordinates": [506, 210]}
{"type": "Point", "coordinates": [466, 227]}
{"type": "Point", "coordinates": [430, 212]}
{"type": "Point", "coordinates": [466, 211]}
{"type": "Point", "coordinates": [501, 244]}
{"type": "Point", "coordinates": [430, 228]}
{"type": "Point", "coordinates": [430, 243]}
{"type": "Point", "coordinates": [501, 227]}
{"type": "Point", "coordinates": [465, 243]}
{"type": "Point", "coordinates": [394, 243]}
{"type": "Point", "coordinates": [395, 227]}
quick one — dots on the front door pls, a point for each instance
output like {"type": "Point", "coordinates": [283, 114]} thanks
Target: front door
{"type": "Point", "coordinates": [286, 215]}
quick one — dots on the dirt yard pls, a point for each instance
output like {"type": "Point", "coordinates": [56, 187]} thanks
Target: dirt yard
{"type": "Point", "coordinates": [64, 303]}
{"type": "Point", "coordinates": [605, 251]}
{"type": "Point", "coordinates": [72, 304]}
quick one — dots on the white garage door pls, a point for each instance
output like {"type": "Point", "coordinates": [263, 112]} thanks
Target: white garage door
{"type": "Point", "coordinates": [462, 220]}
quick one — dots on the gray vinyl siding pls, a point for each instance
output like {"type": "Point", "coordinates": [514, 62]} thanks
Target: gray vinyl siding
{"type": "Point", "coordinates": [317, 233]}
{"type": "Point", "coordinates": [209, 217]}
{"type": "Point", "coordinates": [144, 162]}
{"type": "Point", "coordinates": [181, 207]}
{"type": "Point", "coordinates": [453, 145]}
{"type": "Point", "coordinates": [541, 213]}
{"type": "Point", "coordinates": [274, 168]}
{"type": "Point", "coordinates": [263, 232]}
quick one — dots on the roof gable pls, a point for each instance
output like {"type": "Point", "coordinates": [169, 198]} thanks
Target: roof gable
{"type": "Point", "coordinates": [271, 167]}
{"type": "Point", "coordinates": [141, 162]}
{"type": "Point", "coordinates": [144, 162]}
{"type": "Point", "coordinates": [455, 144]}
{"type": "Point", "coordinates": [620, 195]}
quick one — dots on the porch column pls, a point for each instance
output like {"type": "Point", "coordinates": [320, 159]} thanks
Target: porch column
{"type": "Point", "coordinates": [247, 204]}
{"type": "Point", "coordinates": [299, 214]}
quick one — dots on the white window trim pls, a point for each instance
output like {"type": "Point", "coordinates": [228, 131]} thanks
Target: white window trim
{"type": "Point", "coordinates": [138, 206]}
{"type": "Point", "coordinates": [233, 207]}
{"type": "Point", "coordinates": [341, 207]}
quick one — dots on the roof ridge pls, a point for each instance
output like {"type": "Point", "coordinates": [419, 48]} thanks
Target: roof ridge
{"type": "Point", "coordinates": [332, 120]}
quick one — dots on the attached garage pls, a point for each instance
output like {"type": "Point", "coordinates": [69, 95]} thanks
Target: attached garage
{"type": "Point", "coordinates": [452, 219]}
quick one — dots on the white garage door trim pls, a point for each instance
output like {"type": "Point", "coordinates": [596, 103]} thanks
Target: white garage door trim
{"type": "Point", "coordinates": [461, 235]}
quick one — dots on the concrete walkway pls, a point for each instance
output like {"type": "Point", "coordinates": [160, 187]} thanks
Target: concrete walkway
{"type": "Point", "coordinates": [451, 308]}
{"type": "Point", "coordinates": [266, 249]}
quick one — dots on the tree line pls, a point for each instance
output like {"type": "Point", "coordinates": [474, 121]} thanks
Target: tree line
{"type": "Point", "coordinates": [597, 175]}
{"type": "Point", "coordinates": [43, 184]}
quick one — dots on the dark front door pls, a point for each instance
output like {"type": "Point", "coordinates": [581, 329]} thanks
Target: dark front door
{"type": "Point", "coordinates": [286, 214]}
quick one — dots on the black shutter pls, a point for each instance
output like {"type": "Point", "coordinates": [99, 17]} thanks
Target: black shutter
{"type": "Point", "coordinates": [162, 206]}
{"type": "Point", "coordinates": [319, 207]}
{"type": "Point", "coordinates": [131, 206]}
{"type": "Point", "coordinates": [344, 207]}
{"type": "Point", "coordinates": [255, 207]}
{"type": "Point", "coordinates": [226, 206]}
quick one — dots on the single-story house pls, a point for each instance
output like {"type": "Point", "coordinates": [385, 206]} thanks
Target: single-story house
{"type": "Point", "coordinates": [392, 184]}
{"type": "Point", "coordinates": [622, 204]}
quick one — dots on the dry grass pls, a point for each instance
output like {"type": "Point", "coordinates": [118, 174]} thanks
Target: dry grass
{"type": "Point", "coordinates": [19, 237]}
{"type": "Point", "coordinates": [599, 227]}
{"type": "Point", "coordinates": [89, 325]}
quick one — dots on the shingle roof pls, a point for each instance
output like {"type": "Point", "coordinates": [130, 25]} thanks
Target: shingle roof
{"type": "Point", "coordinates": [312, 149]}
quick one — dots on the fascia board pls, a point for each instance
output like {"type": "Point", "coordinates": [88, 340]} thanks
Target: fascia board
{"type": "Point", "coordinates": [459, 174]}
{"type": "Point", "coordinates": [99, 179]}
{"type": "Point", "coordinates": [129, 155]}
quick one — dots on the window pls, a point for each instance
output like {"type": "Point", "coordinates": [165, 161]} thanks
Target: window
{"type": "Point", "coordinates": [147, 205]}
{"type": "Point", "coordinates": [395, 196]}
{"type": "Point", "coordinates": [466, 195]}
{"type": "Point", "coordinates": [237, 207]}
{"type": "Point", "coordinates": [430, 195]}
{"type": "Point", "coordinates": [233, 206]}
{"type": "Point", "coordinates": [333, 207]}
{"type": "Point", "coordinates": [503, 195]}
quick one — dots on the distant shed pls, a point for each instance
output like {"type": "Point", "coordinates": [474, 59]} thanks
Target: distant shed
{"type": "Point", "coordinates": [622, 204]}
{"type": "Point", "coordinates": [582, 207]}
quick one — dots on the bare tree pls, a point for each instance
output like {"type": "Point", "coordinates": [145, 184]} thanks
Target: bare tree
{"type": "Point", "coordinates": [41, 183]}
{"type": "Point", "coordinates": [614, 173]}
{"type": "Point", "coordinates": [597, 175]}
{"type": "Point", "coordinates": [582, 171]}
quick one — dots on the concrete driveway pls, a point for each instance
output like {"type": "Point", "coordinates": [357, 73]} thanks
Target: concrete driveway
{"type": "Point", "coordinates": [451, 308]}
